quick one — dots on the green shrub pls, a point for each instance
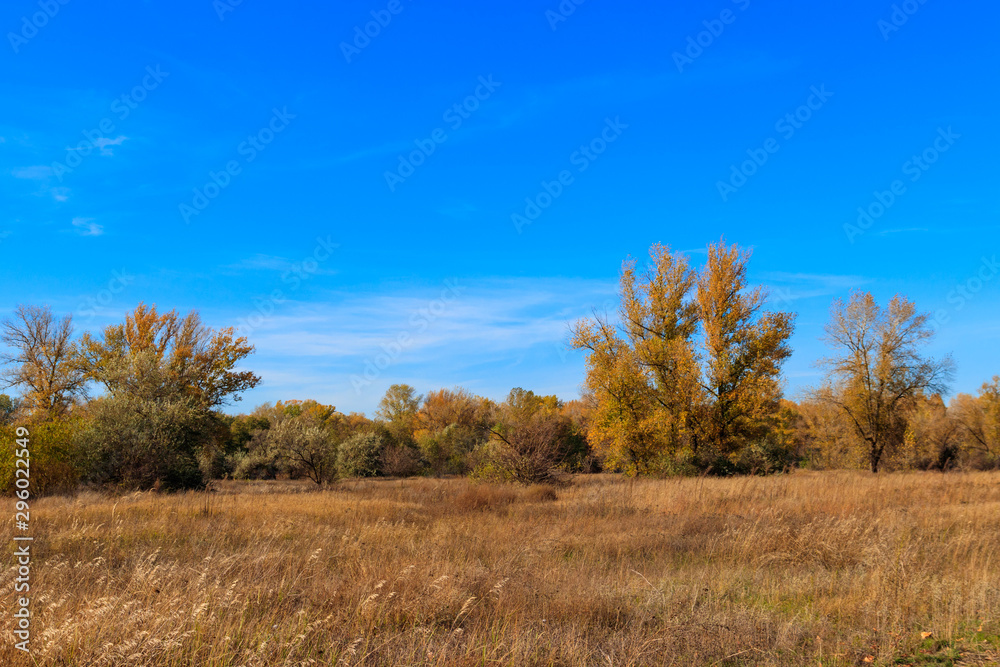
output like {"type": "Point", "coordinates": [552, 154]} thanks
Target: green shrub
{"type": "Point", "coordinates": [360, 455]}
{"type": "Point", "coordinates": [447, 451]}
{"type": "Point", "coordinates": [258, 464]}
{"type": "Point", "coordinates": [54, 461]}
{"type": "Point", "coordinates": [134, 443]}
{"type": "Point", "coordinates": [300, 446]}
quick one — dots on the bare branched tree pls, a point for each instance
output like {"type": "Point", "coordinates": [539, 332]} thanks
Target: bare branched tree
{"type": "Point", "coordinates": [41, 361]}
{"type": "Point", "coordinates": [877, 370]}
{"type": "Point", "coordinates": [529, 442]}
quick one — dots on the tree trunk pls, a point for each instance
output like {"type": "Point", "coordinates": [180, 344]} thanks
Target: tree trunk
{"type": "Point", "coordinates": [874, 457]}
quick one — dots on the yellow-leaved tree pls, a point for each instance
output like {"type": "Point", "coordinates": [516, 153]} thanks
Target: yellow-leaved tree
{"type": "Point", "coordinates": [688, 377]}
{"type": "Point", "coordinates": [744, 347]}
{"type": "Point", "coordinates": [40, 361]}
{"type": "Point", "coordinates": [158, 355]}
{"type": "Point", "coordinates": [979, 419]}
{"type": "Point", "coordinates": [877, 372]}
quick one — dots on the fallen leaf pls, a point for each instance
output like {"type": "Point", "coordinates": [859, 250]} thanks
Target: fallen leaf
{"type": "Point", "coordinates": [925, 635]}
{"type": "Point", "coordinates": [869, 658]}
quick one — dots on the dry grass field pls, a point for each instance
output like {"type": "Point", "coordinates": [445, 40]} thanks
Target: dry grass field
{"type": "Point", "coordinates": [809, 568]}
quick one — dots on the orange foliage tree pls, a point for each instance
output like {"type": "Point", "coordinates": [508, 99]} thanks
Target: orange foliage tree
{"type": "Point", "coordinates": [689, 376]}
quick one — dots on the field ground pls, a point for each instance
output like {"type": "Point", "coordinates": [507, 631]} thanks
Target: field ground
{"type": "Point", "coordinates": [809, 568]}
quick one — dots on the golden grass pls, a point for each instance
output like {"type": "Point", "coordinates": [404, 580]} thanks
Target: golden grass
{"type": "Point", "coordinates": [818, 569]}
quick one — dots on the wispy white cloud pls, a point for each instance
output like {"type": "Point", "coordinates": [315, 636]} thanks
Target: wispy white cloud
{"type": "Point", "coordinates": [104, 142]}
{"type": "Point", "coordinates": [886, 232]}
{"type": "Point", "coordinates": [38, 172]}
{"type": "Point", "coordinates": [787, 287]}
{"type": "Point", "coordinates": [261, 262]}
{"type": "Point", "coordinates": [495, 315]}
{"type": "Point", "coordinates": [487, 335]}
{"type": "Point", "coordinates": [86, 227]}
{"type": "Point", "coordinates": [44, 175]}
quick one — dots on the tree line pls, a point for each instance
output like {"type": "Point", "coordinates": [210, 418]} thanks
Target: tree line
{"type": "Point", "coordinates": [684, 379]}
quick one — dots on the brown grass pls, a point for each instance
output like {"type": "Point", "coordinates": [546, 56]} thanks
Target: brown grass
{"type": "Point", "coordinates": [541, 493]}
{"type": "Point", "coordinates": [818, 569]}
{"type": "Point", "coordinates": [483, 497]}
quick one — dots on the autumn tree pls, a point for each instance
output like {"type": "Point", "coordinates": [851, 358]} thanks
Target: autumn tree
{"type": "Point", "coordinates": [643, 372]}
{"type": "Point", "coordinates": [445, 407]}
{"type": "Point", "coordinates": [343, 426]}
{"type": "Point", "coordinates": [979, 421]}
{"type": "Point", "coordinates": [877, 371]}
{"type": "Point", "coordinates": [932, 438]}
{"type": "Point", "coordinates": [8, 408]}
{"type": "Point", "coordinates": [689, 374]}
{"type": "Point", "coordinates": [744, 347]}
{"type": "Point", "coordinates": [165, 376]}
{"type": "Point", "coordinates": [450, 424]}
{"type": "Point", "coordinates": [400, 404]}
{"type": "Point", "coordinates": [826, 437]}
{"type": "Point", "coordinates": [578, 412]}
{"type": "Point", "coordinates": [157, 355]}
{"type": "Point", "coordinates": [41, 361]}
{"type": "Point", "coordinates": [398, 409]}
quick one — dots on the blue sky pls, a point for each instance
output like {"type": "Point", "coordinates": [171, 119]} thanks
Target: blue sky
{"type": "Point", "coordinates": [255, 161]}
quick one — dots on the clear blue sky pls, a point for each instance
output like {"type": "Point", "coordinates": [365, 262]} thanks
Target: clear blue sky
{"type": "Point", "coordinates": [300, 117]}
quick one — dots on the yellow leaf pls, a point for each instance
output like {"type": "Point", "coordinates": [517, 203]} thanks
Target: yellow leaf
{"type": "Point", "coordinates": [925, 635]}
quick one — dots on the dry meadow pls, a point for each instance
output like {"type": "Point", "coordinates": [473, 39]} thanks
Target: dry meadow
{"type": "Point", "coordinates": [808, 568]}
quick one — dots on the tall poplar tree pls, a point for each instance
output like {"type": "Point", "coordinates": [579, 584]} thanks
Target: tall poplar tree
{"type": "Point", "coordinates": [690, 372]}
